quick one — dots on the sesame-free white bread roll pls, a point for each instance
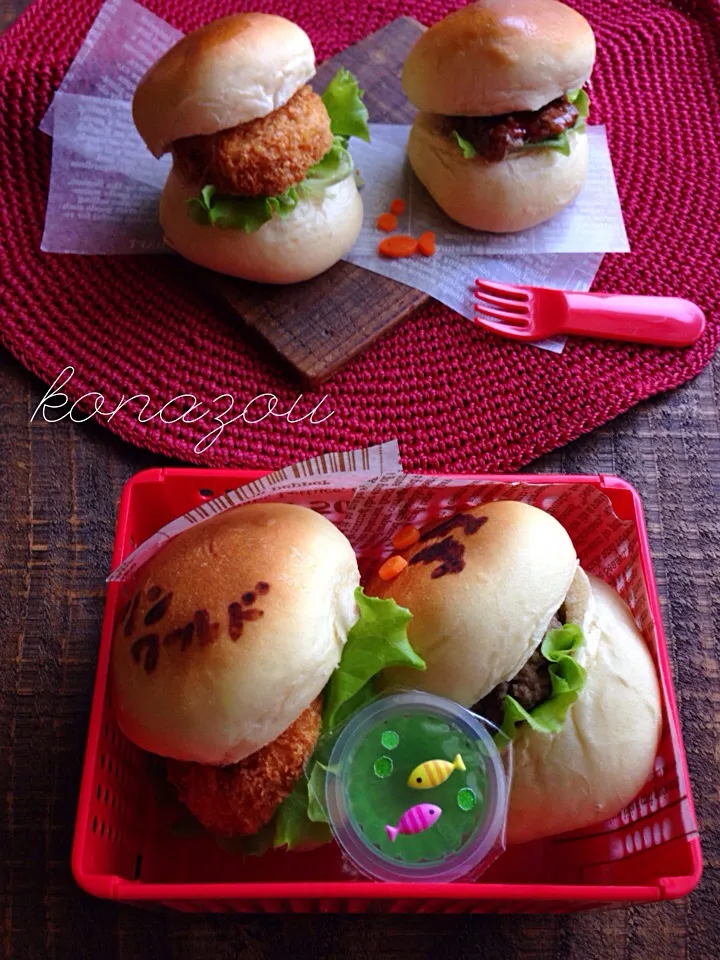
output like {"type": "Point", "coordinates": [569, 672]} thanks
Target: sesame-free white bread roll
{"type": "Point", "coordinates": [605, 752]}
{"type": "Point", "coordinates": [230, 71]}
{"type": "Point", "coordinates": [526, 188]}
{"type": "Point", "coordinates": [319, 232]}
{"type": "Point", "coordinates": [497, 56]}
{"type": "Point", "coordinates": [478, 626]}
{"type": "Point", "coordinates": [231, 631]}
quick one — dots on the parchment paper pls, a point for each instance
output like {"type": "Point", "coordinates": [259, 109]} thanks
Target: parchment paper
{"type": "Point", "coordinates": [325, 483]}
{"type": "Point", "coordinates": [592, 224]}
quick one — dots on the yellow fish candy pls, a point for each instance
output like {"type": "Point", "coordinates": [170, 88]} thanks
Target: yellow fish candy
{"type": "Point", "coordinates": [433, 772]}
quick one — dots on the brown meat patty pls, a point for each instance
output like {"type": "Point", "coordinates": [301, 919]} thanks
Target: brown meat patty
{"type": "Point", "coordinates": [239, 799]}
{"type": "Point", "coordinates": [495, 137]}
{"type": "Point", "coordinates": [263, 157]}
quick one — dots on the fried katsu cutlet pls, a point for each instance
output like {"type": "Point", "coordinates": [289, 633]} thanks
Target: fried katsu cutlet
{"type": "Point", "coordinates": [263, 157]}
{"type": "Point", "coordinates": [239, 799]}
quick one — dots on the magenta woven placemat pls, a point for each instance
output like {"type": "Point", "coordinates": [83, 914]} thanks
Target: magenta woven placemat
{"type": "Point", "coordinates": [455, 400]}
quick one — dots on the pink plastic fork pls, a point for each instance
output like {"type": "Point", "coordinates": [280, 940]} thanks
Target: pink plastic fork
{"type": "Point", "coordinates": [534, 313]}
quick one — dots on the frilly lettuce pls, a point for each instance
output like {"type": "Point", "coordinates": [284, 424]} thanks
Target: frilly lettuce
{"type": "Point", "coordinates": [343, 102]}
{"type": "Point", "coordinates": [578, 98]}
{"type": "Point", "coordinates": [567, 678]}
{"type": "Point", "coordinates": [376, 641]}
{"type": "Point", "coordinates": [348, 118]}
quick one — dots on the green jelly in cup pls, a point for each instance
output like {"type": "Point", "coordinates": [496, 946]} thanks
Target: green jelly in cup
{"type": "Point", "coordinates": [360, 804]}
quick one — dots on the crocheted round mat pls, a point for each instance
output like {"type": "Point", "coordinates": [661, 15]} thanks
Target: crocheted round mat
{"type": "Point", "coordinates": [454, 399]}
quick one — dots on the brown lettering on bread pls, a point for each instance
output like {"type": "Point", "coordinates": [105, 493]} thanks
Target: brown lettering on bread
{"type": "Point", "coordinates": [466, 521]}
{"type": "Point", "coordinates": [262, 587]}
{"type": "Point", "coordinates": [200, 626]}
{"type": "Point", "coordinates": [158, 611]}
{"type": "Point", "coordinates": [237, 617]}
{"type": "Point", "coordinates": [448, 552]}
{"type": "Point", "coordinates": [150, 645]}
{"type": "Point", "coordinates": [183, 634]}
{"type": "Point", "coordinates": [173, 636]}
{"type": "Point", "coordinates": [187, 636]}
{"type": "Point", "coordinates": [130, 622]}
{"type": "Point", "coordinates": [206, 631]}
{"type": "Point", "coordinates": [125, 609]}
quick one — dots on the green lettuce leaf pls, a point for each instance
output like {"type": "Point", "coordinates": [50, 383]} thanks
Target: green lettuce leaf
{"type": "Point", "coordinates": [561, 143]}
{"type": "Point", "coordinates": [316, 793]}
{"type": "Point", "coordinates": [253, 846]}
{"type": "Point", "coordinates": [343, 102]}
{"type": "Point", "coordinates": [335, 166]}
{"type": "Point", "coordinates": [468, 150]}
{"type": "Point", "coordinates": [377, 640]}
{"type": "Point", "coordinates": [567, 678]}
{"type": "Point", "coordinates": [293, 827]}
{"type": "Point", "coordinates": [581, 101]}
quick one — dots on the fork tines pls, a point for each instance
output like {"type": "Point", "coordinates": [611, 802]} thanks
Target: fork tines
{"type": "Point", "coordinates": [503, 302]}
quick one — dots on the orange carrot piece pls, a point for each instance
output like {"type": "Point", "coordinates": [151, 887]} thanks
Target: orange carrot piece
{"type": "Point", "coordinates": [392, 567]}
{"type": "Point", "coordinates": [406, 537]}
{"type": "Point", "coordinates": [399, 245]}
{"type": "Point", "coordinates": [426, 243]}
{"type": "Point", "coordinates": [387, 222]}
{"type": "Point", "coordinates": [397, 206]}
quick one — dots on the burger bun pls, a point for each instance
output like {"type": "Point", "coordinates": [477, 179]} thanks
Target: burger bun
{"type": "Point", "coordinates": [498, 56]}
{"type": "Point", "coordinates": [230, 71]}
{"type": "Point", "coordinates": [231, 631]}
{"type": "Point", "coordinates": [527, 188]}
{"type": "Point", "coordinates": [320, 231]}
{"type": "Point", "coordinates": [479, 626]}
{"type": "Point", "coordinates": [605, 752]}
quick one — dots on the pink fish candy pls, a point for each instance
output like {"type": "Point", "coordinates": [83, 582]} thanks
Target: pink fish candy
{"type": "Point", "coordinates": [415, 820]}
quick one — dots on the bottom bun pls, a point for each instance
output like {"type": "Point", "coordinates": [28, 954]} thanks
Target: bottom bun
{"type": "Point", "coordinates": [602, 757]}
{"type": "Point", "coordinates": [503, 197]}
{"type": "Point", "coordinates": [318, 233]}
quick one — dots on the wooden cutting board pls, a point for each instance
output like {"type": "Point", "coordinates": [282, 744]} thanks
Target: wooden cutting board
{"type": "Point", "coordinates": [319, 325]}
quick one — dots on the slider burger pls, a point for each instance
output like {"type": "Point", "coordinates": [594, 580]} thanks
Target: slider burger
{"type": "Point", "coordinates": [262, 185]}
{"type": "Point", "coordinates": [510, 625]}
{"type": "Point", "coordinates": [224, 645]}
{"type": "Point", "coordinates": [500, 139]}
{"type": "Point", "coordinates": [222, 650]}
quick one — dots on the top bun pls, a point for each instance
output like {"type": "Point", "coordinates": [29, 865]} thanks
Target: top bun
{"type": "Point", "coordinates": [228, 72]}
{"type": "Point", "coordinates": [497, 56]}
{"type": "Point", "coordinates": [477, 627]}
{"type": "Point", "coordinates": [231, 631]}
{"type": "Point", "coordinates": [604, 754]}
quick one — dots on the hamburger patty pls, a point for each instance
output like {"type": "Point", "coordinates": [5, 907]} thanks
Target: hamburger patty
{"type": "Point", "coordinates": [495, 137]}
{"type": "Point", "coordinates": [239, 799]}
{"type": "Point", "coordinates": [530, 686]}
{"type": "Point", "coordinates": [263, 157]}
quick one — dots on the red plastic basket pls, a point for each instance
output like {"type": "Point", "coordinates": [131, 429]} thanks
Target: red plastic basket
{"type": "Point", "coordinates": [124, 848]}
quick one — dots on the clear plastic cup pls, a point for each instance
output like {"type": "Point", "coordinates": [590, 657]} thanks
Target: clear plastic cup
{"type": "Point", "coordinates": [367, 790]}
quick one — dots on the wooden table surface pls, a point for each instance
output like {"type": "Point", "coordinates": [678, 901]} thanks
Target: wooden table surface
{"type": "Point", "coordinates": [61, 485]}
